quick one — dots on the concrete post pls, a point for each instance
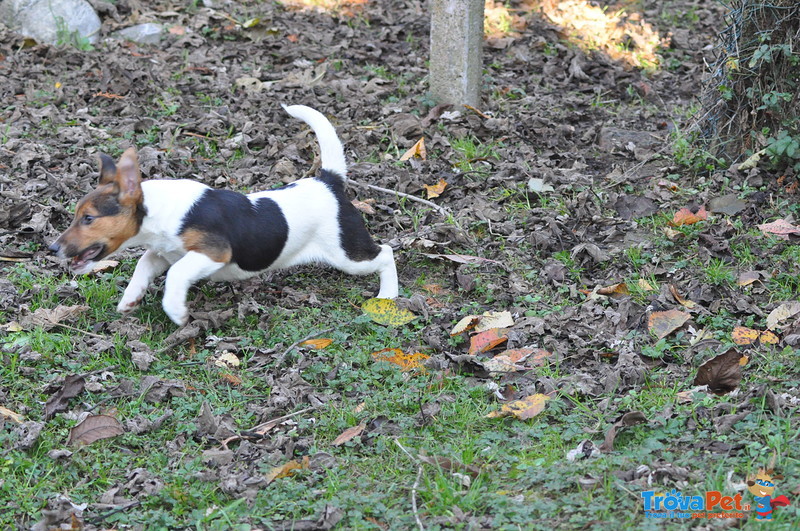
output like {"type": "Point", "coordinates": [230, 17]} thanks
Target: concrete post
{"type": "Point", "coordinates": [456, 46]}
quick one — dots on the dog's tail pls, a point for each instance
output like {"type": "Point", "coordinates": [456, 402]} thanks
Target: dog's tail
{"type": "Point", "coordinates": [330, 146]}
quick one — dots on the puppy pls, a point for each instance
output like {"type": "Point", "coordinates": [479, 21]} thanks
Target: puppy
{"type": "Point", "coordinates": [193, 232]}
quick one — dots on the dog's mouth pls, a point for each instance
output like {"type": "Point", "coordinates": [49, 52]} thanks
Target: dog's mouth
{"type": "Point", "coordinates": [83, 259]}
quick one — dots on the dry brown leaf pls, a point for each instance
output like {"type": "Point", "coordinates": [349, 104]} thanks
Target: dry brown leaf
{"type": "Point", "coordinates": [94, 428]}
{"type": "Point", "coordinates": [47, 318]}
{"type": "Point", "coordinates": [417, 150]}
{"type": "Point", "coordinates": [661, 324]}
{"type": "Point", "coordinates": [685, 216]}
{"type": "Point", "coordinates": [722, 373]}
{"type": "Point", "coordinates": [364, 206]}
{"type": "Point", "coordinates": [487, 340]}
{"type": "Point", "coordinates": [349, 434]}
{"type": "Point", "coordinates": [524, 409]}
{"type": "Point", "coordinates": [628, 419]}
{"type": "Point", "coordinates": [686, 303]}
{"type": "Point", "coordinates": [102, 265]}
{"type": "Point", "coordinates": [435, 190]}
{"type": "Point", "coordinates": [232, 379]}
{"type": "Point", "coordinates": [748, 277]}
{"type": "Point", "coordinates": [72, 387]}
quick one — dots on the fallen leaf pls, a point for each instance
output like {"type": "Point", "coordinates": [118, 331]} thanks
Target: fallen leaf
{"type": "Point", "coordinates": [177, 30]}
{"type": "Point", "coordinates": [449, 465]}
{"type": "Point", "coordinates": [645, 285]}
{"type": "Point", "coordinates": [12, 326]}
{"type": "Point", "coordinates": [318, 344]}
{"type": "Point", "coordinates": [102, 265]}
{"type": "Point", "coordinates": [524, 409]}
{"type": "Point", "coordinates": [502, 363]}
{"type": "Point", "coordinates": [721, 373]}
{"type": "Point", "coordinates": [364, 206]}
{"type": "Point", "coordinates": [417, 150]}
{"type": "Point", "coordinates": [465, 324]}
{"type": "Point", "coordinates": [747, 336]}
{"type": "Point", "coordinates": [780, 228]}
{"type": "Point", "coordinates": [47, 318]}
{"type": "Point", "coordinates": [671, 234]}
{"type": "Point", "coordinates": [490, 320]}
{"type": "Point", "coordinates": [630, 418]}
{"type": "Point", "coordinates": [785, 311]}
{"type": "Point", "coordinates": [730, 205]}
{"type": "Point", "coordinates": [349, 434]}
{"type": "Point", "coordinates": [94, 428]}
{"type": "Point", "coordinates": [661, 324]}
{"type": "Point", "coordinates": [406, 362]}
{"type": "Point", "coordinates": [227, 359]}
{"type": "Point", "coordinates": [487, 340]}
{"type": "Point", "coordinates": [386, 312]}
{"type": "Point", "coordinates": [72, 387]}
{"type": "Point", "coordinates": [287, 469]}
{"type": "Point", "coordinates": [232, 379]}
{"type": "Point", "coordinates": [685, 216]}
{"type": "Point", "coordinates": [435, 190]}
{"type": "Point", "coordinates": [686, 303]}
{"type": "Point", "coordinates": [748, 277]}
{"type": "Point", "coordinates": [7, 414]}
{"type": "Point", "coordinates": [615, 289]}
{"type": "Point", "coordinates": [463, 258]}
{"type": "Point", "coordinates": [537, 185]}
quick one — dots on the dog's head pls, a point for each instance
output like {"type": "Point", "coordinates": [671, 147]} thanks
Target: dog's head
{"type": "Point", "coordinates": [107, 217]}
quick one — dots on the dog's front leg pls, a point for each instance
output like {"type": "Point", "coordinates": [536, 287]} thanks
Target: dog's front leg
{"type": "Point", "coordinates": [192, 267]}
{"type": "Point", "coordinates": [150, 265]}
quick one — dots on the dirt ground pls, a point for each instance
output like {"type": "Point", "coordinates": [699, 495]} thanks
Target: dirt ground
{"type": "Point", "coordinates": [600, 134]}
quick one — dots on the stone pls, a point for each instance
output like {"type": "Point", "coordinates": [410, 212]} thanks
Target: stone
{"type": "Point", "coordinates": [51, 21]}
{"type": "Point", "coordinates": [456, 50]}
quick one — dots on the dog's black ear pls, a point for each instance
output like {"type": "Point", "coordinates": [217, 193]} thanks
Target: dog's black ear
{"type": "Point", "coordinates": [108, 170]}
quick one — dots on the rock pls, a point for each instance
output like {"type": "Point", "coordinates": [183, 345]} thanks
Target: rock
{"type": "Point", "coordinates": [147, 33]}
{"type": "Point", "coordinates": [49, 22]}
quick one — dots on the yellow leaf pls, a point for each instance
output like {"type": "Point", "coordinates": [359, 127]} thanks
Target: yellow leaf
{"type": "Point", "coordinates": [227, 359]}
{"type": "Point", "coordinates": [489, 320]}
{"type": "Point", "coordinates": [386, 312]}
{"type": "Point", "coordinates": [747, 336]}
{"type": "Point", "coordinates": [417, 150]}
{"type": "Point", "coordinates": [12, 326]}
{"type": "Point", "coordinates": [286, 469]}
{"type": "Point", "coordinates": [664, 323]}
{"type": "Point", "coordinates": [406, 362]}
{"type": "Point", "coordinates": [435, 190]}
{"type": "Point", "coordinates": [523, 409]}
{"type": "Point", "coordinates": [317, 343]}
{"type": "Point", "coordinates": [467, 323]}
{"type": "Point", "coordinates": [645, 285]}
{"type": "Point", "coordinates": [686, 303]}
{"type": "Point", "coordinates": [7, 414]}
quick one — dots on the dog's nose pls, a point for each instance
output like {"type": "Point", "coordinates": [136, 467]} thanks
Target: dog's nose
{"type": "Point", "coordinates": [54, 248]}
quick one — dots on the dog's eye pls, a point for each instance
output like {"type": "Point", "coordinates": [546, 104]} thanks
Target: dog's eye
{"type": "Point", "coordinates": [87, 220]}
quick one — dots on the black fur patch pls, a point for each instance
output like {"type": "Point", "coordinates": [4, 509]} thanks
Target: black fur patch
{"type": "Point", "coordinates": [354, 238]}
{"type": "Point", "coordinates": [106, 205]}
{"type": "Point", "coordinates": [256, 232]}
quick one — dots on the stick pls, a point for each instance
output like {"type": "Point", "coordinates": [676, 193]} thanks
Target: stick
{"type": "Point", "coordinates": [440, 209]}
{"type": "Point", "coordinates": [293, 345]}
{"type": "Point", "coordinates": [414, 499]}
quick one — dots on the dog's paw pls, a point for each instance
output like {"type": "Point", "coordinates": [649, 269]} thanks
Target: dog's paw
{"type": "Point", "coordinates": [176, 311]}
{"type": "Point", "coordinates": [127, 305]}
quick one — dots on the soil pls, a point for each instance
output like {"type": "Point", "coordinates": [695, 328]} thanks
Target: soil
{"type": "Point", "coordinates": [205, 105]}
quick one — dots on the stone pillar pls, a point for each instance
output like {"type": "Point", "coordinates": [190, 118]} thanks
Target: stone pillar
{"type": "Point", "coordinates": [456, 50]}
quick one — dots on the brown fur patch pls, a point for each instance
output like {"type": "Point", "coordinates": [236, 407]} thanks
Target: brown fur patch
{"type": "Point", "coordinates": [211, 245]}
{"type": "Point", "coordinates": [110, 230]}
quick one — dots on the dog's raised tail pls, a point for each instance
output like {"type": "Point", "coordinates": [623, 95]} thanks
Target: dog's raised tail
{"type": "Point", "coordinates": [330, 146]}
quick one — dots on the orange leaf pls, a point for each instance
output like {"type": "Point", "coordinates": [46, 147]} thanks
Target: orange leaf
{"type": "Point", "coordinates": [519, 355]}
{"type": "Point", "coordinates": [406, 362]}
{"type": "Point", "coordinates": [231, 378]}
{"type": "Point", "coordinates": [685, 216]}
{"type": "Point", "coordinates": [435, 190]}
{"type": "Point", "coordinates": [487, 340]}
{"type": "Point", "coordinates": [664, 323]}
{"type": "Point", "coordinates": [177, 30]}
{"type": "Point", "coordinates": [683, 302]}
{"type": "Point", "coordinates": [317, 343]}
{"type": "Point", "coordinates": [287, 469]}
{"type": "Point", "coordinates": [465, 324]}
{"type": "Point", "coordinates": [349, 434]}
{"type": "Point", "coordinates": [523, 409]}
{"type": "Point", "coordinates": [364, 206]}
{"type": "Point", "coordinates": [417, 150]}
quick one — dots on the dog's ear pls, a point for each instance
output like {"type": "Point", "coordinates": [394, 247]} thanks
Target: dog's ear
{"type": "Point", "coordinates": [108, 170]}
{"type": "Point", "coordinates": [129, 179]}
{"type": "Point", "coordinates": [750, 482]}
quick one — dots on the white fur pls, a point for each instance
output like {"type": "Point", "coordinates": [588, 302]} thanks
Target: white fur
{"type": "Point", "coordinates": [311, 212]}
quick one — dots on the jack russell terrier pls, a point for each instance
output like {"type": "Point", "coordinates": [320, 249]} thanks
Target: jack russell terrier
{"type": "Point", "coordinates": [194, 232]}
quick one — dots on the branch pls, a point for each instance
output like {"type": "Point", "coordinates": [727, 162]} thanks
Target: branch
{"type": "Point", "coordinates": [440, 209]}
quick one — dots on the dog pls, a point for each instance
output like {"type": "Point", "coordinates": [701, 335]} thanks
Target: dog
{"type": "Point", "coordinates": [194, 232]}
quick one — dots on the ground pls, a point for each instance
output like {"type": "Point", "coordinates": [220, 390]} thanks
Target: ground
{"type": "Point", "coordinates": [565, 180]}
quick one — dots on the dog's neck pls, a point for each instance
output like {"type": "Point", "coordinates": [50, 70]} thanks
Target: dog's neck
{"type": "Point", "coordinates": [166, 203]}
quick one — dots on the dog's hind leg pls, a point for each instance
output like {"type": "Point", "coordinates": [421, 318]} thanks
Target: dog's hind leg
{"type": "Point", "coordinates": [150, 265]}
{"type": "Point", "coordinates": [181, 276]}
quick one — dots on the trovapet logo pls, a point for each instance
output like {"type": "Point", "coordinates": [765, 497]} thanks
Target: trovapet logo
{"type": "Point", "coordinates": [713, 504]}
{"type": "Point", "coordinates": [762, 486]}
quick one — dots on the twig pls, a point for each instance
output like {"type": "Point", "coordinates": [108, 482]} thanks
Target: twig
{"type": "Point", "coordinates": [90, 334]}
{"type": "Point", "coordinates": [414, 499]}
{"type": "Point", "coordinates": [293, 345]}
{"type": "Point", "coordinates": [440, 209]}
{"type": "Point", "coordinates": [264, 426]}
